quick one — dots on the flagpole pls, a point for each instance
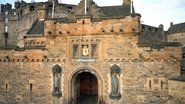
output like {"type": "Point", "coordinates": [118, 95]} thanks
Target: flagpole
{"type": "Point", "coordinates": [85, 7]}
{"type": "Point", "coordinates": [131, 6]}
{"type": "Point", "coordinates": [53, 9]}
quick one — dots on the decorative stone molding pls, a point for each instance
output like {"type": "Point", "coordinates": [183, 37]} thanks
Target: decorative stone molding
{"type": "Point", "coordinates": [33, 60]}
{"type": "Point", "coordinates": [138, 60]}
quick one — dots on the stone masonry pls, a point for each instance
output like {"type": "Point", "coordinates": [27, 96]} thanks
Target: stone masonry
{"type": "Point", "coordinates": [29, 61]}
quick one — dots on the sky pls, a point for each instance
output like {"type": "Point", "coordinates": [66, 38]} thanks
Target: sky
{"type": "Point", "coordinates": [153, 12]}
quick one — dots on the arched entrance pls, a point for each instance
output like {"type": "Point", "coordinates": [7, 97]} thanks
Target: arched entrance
{"type": "Point", "coordinates": [85, 88]}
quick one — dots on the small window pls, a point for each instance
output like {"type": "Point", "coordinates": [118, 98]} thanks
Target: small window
{"type": "Point", "coordinates": [112, 29]}
{"type": "Point", "coordinates": [143, 27]}
{"type": "Point", "coordinates": [6, 87]}
{"type": "Point", "coordinates": [162, 85]}
{"type": "Point", "coordinates": [149, 28]}
{"type": "Point", "coordinates": [49, 32]}
{"type": "Point", "coordinates": [87, 9]}
{"type": "Point", "coordinates": [155, 30]}
{"type": "Point", "coordinates": [21, 12]}
{"type": "Point", "coordinates": [60, 32]}
{"type": "Point", "coordinates": [50, 7]}
{"type": "Point", "coordinates": [32, 8]}
{"type": "Point", "coordinates": [68, 32]}
{"type": "Point", "coordinates": [83, 22]}
{"type": "Point", "coordinates": [183, 55]}
{"type": "Point", "coordinates": [70, 9]}
{"type": "Point", "coordinates": [133, 30]}
{"type": "Point", "coordinates": [121, 30]}
{"type": "Point", "coordinates": [31, 87]}
{"type": "Point", "coordinates": [102, 30]}
{"type": "Point", "coordinates": [150, 84]}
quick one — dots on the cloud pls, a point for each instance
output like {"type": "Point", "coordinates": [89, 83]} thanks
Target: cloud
{"type": "Point", "coordinates": [99, 2]}
{"type": "Point", "coordinates": [153, 12]}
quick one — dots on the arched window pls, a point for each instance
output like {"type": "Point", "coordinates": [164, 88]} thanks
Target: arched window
{"type": "Point", "coordinates": [57, 80]}
{"type": "Point", "coordinates": [115, 85]}
{"type": "Point", "coordinates": [83, 22]}
{"type": "Point", "coordinates": [70, 9]}
{"type": "Point", "coordinates": [50, 7]}
{"type": "Point", "coordinates": [32, 8]}
{"type": "Point", "coordinates": [21, 12]}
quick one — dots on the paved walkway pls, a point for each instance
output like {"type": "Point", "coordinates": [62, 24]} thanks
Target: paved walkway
{"type": "Point", "coordinates": [88, 99]}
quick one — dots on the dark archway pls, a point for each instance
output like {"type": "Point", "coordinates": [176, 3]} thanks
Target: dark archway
{"type": "Point", "coordinates": [85, 87]}
{"type": "Point", "coordinates": [32, 8]}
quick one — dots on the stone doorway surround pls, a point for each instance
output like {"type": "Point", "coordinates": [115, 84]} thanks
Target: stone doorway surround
{"type": "Point", "coordinates": [73, 79]}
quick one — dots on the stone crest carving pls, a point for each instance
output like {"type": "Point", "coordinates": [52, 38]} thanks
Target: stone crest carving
{"type": "Point", "coordinates": [85, 50]}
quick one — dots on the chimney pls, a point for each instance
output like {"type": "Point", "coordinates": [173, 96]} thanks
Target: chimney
{"type": "Point", "coordinates": [55, 1]}
{"type": "Point", "coordinates": [161, 26]}
{"type": "Point", "coordinates": [126, 2]}
{"type": "Point", "coordinates": [171, 24]}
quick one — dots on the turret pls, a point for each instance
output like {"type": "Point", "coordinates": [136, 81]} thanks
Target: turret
{"type": "Point", "coordinates": [17, 4]}
{"type": "Point", "coordinates": [132, 23]}
{"type": "Point", "coordinates": [171, 24]}
{"type": "Point", "coordinates": [50, 28]}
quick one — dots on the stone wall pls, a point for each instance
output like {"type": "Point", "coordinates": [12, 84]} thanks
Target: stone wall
{"type": "Point", "coordinates": [176, 92]}
{"type": "Point", "coordinates": [17, 29]}
{"type": "Point", "coordinates": [25, 24]}
{"type": "Point", "coordinates": [178, 37]}
{"type": "Point", "coordinates": [143, 78]}
{"type": "Point", "coordinates": [27, 77]}
{"type": "Point", "coordinates": [12, 32]}
{"type": "Point", "coordinates": [19, 74]}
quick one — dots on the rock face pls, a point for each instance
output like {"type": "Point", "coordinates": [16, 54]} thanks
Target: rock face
{"type": "Point", "coordinates": [77, 58]}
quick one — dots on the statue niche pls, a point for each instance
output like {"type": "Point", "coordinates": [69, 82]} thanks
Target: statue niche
{"type": "Point", "coordinates": [115, 86]}
{"type": "Point", "coordinates": [75, 51]}
{"type": "Point", "coordinates": [57, 80]}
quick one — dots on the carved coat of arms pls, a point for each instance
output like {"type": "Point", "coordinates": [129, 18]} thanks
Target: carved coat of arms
{"type": "Point", "coordinates": [85, 51]}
